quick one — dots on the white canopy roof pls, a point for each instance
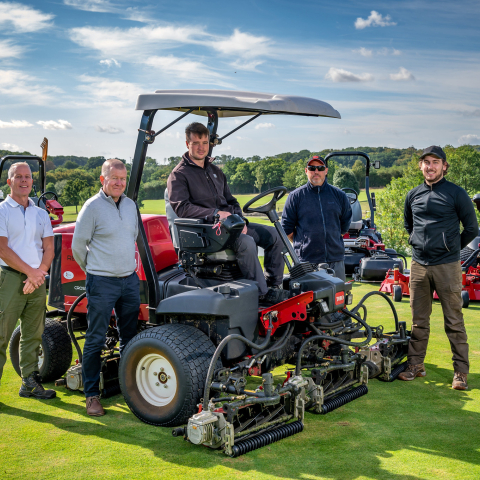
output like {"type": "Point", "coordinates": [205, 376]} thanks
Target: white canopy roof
{"type": "Point", "coordinates": [233, 103]}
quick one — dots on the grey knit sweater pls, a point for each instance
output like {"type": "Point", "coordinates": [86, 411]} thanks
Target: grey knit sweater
{"type": "Point", "coordinates": [105, 236]}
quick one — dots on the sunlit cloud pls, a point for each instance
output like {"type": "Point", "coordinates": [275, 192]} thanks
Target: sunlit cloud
{"type": "Point", "coordinates": [264, 125]}
{"type": "Point", "coordinates": [108, 129]}
{"type": "Point", "coordinates": [11, 147]}
{"type": "Point", "coordinates": [109, 62]}
{"type": "Point", "coordinates": [338, 75]}
{"type": "Point", "coordinates": [402, 75]}
{"type": "Point", "coordinates": [22, 18]}
{"type": "Point", "coordinates": [375, 19]}
{"type": "Point", "coordinates": [469, 139]}
{"type": "Point", "coordinates": [15, 124]}
{"type": "Point", "coordinates": [53, 125]}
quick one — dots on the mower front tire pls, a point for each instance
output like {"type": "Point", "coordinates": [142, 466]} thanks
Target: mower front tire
{"type": "Point", "coordinates": [162, 373]}
{"type": "Point", "coordinates": [465, 299]}
{"type": "Point", "coordinates": [55, 355]}
{"type": "Point", "coordinates": [397, 293]}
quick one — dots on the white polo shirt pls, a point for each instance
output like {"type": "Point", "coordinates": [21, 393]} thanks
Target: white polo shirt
{"type": "Point", "coordinates": [25, 229]}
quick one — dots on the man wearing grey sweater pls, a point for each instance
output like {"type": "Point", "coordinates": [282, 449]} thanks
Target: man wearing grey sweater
{"type": "Point", "coordinates": [104, 247]}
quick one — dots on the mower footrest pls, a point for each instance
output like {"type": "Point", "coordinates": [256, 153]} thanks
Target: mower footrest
{"type": "Point", "coordinates": [343, 399]}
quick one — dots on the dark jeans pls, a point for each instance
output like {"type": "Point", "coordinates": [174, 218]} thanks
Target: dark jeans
{"type": "Point", "coordinates": [105, 294]}
{"type": "Point", "coordinates": [446, 280]}
{"type": "Point", "coordinates": [247, 256]}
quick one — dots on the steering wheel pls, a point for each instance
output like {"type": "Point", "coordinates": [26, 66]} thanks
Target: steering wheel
{"type": "Point", "coordinates": [352, 201]}
{"type": "Point", "coordinates": [43, 197]}
{"type": "Point", "coordinates": [278, 193]}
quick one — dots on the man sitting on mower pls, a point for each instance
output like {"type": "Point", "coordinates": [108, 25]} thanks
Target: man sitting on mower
{"type": "Point", "coordinates": [198, 189]}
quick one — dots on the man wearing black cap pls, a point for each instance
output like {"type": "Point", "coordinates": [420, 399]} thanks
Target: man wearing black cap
{"type": "Point", "coordinates": [433, 212]}
{"type": "Point", "coordinates": [315, 217]}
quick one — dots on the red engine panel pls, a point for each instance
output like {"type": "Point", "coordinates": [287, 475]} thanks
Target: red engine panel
{"type": "Point", "coordinates": [294, 308]}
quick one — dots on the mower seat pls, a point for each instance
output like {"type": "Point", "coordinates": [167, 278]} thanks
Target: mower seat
{"type": "Point", "coordinates": [174, 221]}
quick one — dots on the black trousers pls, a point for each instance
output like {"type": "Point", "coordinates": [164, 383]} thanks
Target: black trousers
{"type": "Point", "coordinates": [246, 250]}
{"type": "Point", "coordinates": [105, 294]}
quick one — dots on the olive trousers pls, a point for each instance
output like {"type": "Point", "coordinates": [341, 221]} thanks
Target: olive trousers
{"type": "Point", "coordinates": [30, 310]}
{"type": "Point", "coordinates": [446, 280]}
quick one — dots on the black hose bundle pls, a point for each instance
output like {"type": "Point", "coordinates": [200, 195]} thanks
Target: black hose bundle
{"type": "Point", "coordinates": [218, 351]}
{"type": "Point", "coordinates": [70, 327]}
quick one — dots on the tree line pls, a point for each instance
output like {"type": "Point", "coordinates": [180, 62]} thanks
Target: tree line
{"type": "Point", "coordinates": [75, 178]}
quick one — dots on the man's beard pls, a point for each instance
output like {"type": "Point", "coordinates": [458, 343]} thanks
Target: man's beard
{"type": "Point", "coordinates": [436, 179]}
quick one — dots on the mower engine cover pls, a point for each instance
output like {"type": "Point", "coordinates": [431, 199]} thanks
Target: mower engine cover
{"type": "Point", "coordinates": [374, 268]}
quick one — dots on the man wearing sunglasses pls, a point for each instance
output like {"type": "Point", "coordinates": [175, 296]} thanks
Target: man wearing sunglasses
{"type": "Point", "coordinates": [315, 217]}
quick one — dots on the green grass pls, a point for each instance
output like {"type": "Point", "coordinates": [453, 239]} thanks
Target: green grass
{"type": "Point", "coordinates": [415, 430]}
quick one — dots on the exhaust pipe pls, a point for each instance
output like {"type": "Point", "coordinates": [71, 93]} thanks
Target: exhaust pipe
{"type": "Point", "coordinates": [343, 399]}
{"type": "Point", "coordinates": [266, 438]}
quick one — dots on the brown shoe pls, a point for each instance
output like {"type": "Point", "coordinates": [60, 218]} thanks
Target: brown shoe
{"type": "Point", "coordinates": [460, 381]}
{"type": "Point", "coordinates": [94, 407]}
{"type": "Point", "coordinates": [412, 372]}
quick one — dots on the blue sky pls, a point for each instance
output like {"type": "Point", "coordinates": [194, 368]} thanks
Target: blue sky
{"type": "Point", "coordinates": [400, 73]}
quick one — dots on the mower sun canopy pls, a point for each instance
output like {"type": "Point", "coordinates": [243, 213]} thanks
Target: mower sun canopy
{"type": "Point", "coordinates": [233, 103]}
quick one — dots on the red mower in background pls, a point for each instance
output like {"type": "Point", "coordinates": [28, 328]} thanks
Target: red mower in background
{"type": "Point", "coordinates": [46, 200]}
{"type": "Point", "coordinates": [397, 283]}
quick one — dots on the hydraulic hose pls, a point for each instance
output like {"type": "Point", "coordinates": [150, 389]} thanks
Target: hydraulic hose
{"type": "Point", "coordinates": [279, 345]}
{"type": "Point", "coordinates": [334, 339]}
{"type": "Point", "coordinates": [218, 351]}
{"type": "Point", "coordinates": [70, 327]}
{"type": "Point", "coordinates": [392, 306]}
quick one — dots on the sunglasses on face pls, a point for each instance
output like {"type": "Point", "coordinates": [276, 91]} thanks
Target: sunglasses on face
{"type": "Point", "coordinates": [312, 168]}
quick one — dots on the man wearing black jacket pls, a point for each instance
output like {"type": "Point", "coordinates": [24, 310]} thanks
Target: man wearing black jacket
{"type": "Point", "coordinates": [433, 212]}
{"type": "Point", "coordinates": [198, 189]}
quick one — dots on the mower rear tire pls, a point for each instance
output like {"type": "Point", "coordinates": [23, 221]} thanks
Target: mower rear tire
{"type": "Point", "coordinates": [162, 373]}
{"type": "Point", "coordinates": [55, 356]}
{"type": "Point", "coordinates": [465, 299]}
{"type": "Point", "coordinates": [397, 293]}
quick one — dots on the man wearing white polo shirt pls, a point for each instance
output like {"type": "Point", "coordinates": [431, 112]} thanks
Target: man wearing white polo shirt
{"type": "Point", "coordinates": [26, 252]}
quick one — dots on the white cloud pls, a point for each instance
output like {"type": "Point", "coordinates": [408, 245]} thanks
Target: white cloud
{"type": "Point", "coordinates": [91, 5]}
{"type": "Point", "coordinates": [15, 124]}
{"type": "Point", "coordinates": [126, 43]}
{"type": "Point", "coordinates": [106, 89]}
{"type": "Point", "coordinates": [11, 147]}
{"type": "Point", "coordinates": [403, 74]}
{"type": "Point", "coordinates": [108, 129]}
{"type": "Point", "coordinates": [109, 62]}
{"type": "Point", "coordinates": [469, 139]}
{"type": "Point", "coordinates": [195, 72]}
{"type": "Point", "coordinates": [10, 50]}
{"type": "Point", "coordinates": [248, 66]}
{"type": "Point", "coordinates": [22, 18]}
{"type": "Point", "coordinates": [53, 125]}
{"type": "Point", "coordinates": [242, 44]}
{"type": "Point", "coordinates": [364, 52]}
{"type": "Point", "coordinates": [388, 51]}
{"type": "Point", "coordinates": [264, 125]}
{"type": "Point", "coordinates": [339, 75]}
{"type": "Point", "coordinates": [135, 15]}
{"type": "Point", "coordinates": [374, 20]}
{"type": "Point", "coordinates": [14, 83]}
{"type": "Point", "coordinates": [471, 113]}
{"type": "Point", "coordinates": [396, 52]}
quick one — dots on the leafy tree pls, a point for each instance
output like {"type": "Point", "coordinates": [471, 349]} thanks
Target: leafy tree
{"type": "Point", "coordinates": [464, 169]}
{"type": "Point", "coordinates": [345, 178]}
{"type": "Point", "coordinates": [69, 165]}
{"type": "Point", "coordinates": [259, 176]}
{"type": "Point", "coordinates": [94, 162]}
{"type": "Point", "coordinates": [59, 186]}
{"type": "Point", "coordinates": [71, 194]}
{"type": "Point", "coordinates": [294, 175]}
{"type": "Point", "coordinates": [358, 170]}
{"type": "Point", "coordinates": [51, 187]}
{"type": "Point", "coordinates": [244, 177]}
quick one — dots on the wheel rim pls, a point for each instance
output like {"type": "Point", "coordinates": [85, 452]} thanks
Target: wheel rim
{"type": "Point", "coordinates": [156, 380]}
{"type": "Point", "coordinates": [41, 357]}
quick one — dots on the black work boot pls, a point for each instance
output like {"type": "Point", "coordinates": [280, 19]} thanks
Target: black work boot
{"type": "Point", "coordinates": [274, 296]}
{"type": "Point", "coordinates": [31, 387]}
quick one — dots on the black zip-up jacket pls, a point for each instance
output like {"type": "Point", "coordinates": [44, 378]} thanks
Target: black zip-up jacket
{"type": "Point", "coordinates": [196, 192]}
{"type": "Point", "coordinates": [432, 217]}
{"type": "Point", "coordinates": [317, 216]}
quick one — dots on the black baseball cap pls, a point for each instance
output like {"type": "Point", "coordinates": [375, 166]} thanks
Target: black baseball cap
{"type": "Point", "coordinates": [316, 158]}
{"type": "Point", "coordinates": [434, 150]}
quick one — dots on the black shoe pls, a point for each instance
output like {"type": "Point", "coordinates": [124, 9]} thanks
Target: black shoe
{"type": "Point", "coordinates": [31, 387]}
{"type": "Point", "coordinates": [274, 296]}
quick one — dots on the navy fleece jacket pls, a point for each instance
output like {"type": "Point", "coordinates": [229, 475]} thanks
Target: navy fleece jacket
{"type": "Point", "coordinates": [317, 216]}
